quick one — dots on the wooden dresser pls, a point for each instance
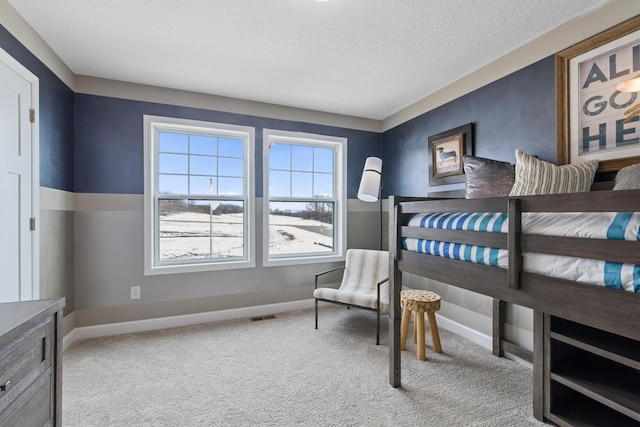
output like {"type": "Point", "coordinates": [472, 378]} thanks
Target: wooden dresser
{"type": "Point", "coordinates": [31, 363]}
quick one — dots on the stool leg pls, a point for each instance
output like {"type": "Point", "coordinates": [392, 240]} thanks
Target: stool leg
{"type": "Point", "coordinates": [435, 336]}
{"type": "Point", "coordinates": [415, 327]}
{"type": "Point", "coordinates": [404, 328]}
{"type": "Point", "coordinates": [419, 325]}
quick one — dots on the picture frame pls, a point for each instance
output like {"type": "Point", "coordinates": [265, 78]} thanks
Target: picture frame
{"type": "Point", "coordinates": [594, 120]}
{"type": "Point", "coordinates": [445, 155]}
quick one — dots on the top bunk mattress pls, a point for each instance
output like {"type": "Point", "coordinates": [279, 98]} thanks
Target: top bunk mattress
{"type": "Point", "coordinates": [593, 225]}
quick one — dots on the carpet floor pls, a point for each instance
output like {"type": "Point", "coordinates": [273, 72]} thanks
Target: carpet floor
{"type": "Point", "coordinates": [283, 372]}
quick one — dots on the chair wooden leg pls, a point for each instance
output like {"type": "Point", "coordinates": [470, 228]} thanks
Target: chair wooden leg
{"type": "Point", "coordinates": [435, 335]}
{"type": "Point", "coordinates": [419, 326]}
{"type": "Point", "coordinates": [404, 328]}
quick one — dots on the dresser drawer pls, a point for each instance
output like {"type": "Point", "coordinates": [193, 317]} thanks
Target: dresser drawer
{"type": "Point", "coordinates": [33, 408]}
{"type": "Point", "coordinates": [23, 361]}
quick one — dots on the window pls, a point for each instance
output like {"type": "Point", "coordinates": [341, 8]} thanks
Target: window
{"type": "Point", "coordinates": [198, 195]}
{"type": "Point", "coordinates": [304, 196]}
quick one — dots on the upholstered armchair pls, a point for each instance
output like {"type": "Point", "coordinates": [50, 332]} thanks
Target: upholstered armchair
{"type": "Point", "coordinates": [364, 284]}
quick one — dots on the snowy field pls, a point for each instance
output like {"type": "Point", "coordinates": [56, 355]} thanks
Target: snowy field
{"type": "Point", "coordinates": [186, 235]}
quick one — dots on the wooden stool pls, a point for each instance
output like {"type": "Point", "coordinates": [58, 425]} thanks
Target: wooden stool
{"type": "Point", "coordinates": [420, 302]}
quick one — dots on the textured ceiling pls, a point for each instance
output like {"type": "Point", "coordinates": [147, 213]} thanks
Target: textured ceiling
{"type": "Point", "coordinates": [364, 58]}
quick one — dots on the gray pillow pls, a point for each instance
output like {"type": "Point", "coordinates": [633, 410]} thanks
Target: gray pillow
{"type": "Point", "coordinates": [487, 178]}
{"type": "Point", "coordinates": [628, 178]}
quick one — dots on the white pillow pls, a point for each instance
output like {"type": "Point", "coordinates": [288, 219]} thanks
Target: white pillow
{"type": "Point", "coordinates": [534, 176]}
{"type": "Point", "coordinates": [628, 178]}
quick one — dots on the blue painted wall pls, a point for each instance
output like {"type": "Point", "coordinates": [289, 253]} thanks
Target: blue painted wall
{"type": "Point", "coordinates": [109, 142]}
{"type": "Point", "coordinates": [55, 115]}
{"type": "Point", "coordinates": [517, 111]}
{"type": "Point", "coordinates": [93, 144]}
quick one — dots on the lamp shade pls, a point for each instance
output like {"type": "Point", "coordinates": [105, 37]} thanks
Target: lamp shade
{"type": "Point", "coordinates": [370, 182]}
{"type": "Point", "coordinates": [631, 85]}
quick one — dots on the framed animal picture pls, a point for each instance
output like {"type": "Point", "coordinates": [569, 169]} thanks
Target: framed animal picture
{"type": "Point", "coordinates": [445, 152]}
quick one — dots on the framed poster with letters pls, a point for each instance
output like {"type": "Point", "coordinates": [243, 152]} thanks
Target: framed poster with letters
{"type": "Point", "coordinates": [595, 120]}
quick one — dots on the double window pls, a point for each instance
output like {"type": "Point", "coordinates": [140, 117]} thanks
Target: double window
{"type": "Point", "coordinates": [304, 197]}
{"type": "Point", "coordinates": [198, 195]}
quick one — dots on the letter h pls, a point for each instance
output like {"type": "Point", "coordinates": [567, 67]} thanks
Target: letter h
{"type": "Point", "coordinates": [601, 137]}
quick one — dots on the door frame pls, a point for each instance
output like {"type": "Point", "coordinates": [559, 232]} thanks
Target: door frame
{"type": "Point", "coordinates": [31, 291]}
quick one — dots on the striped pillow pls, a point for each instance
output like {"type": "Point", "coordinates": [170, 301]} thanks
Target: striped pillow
{"type": "Point", "coordinates": [534, 176]}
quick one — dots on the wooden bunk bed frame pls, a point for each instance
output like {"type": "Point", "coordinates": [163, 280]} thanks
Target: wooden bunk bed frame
{"type": "Point", "coordinates": [613, 311]}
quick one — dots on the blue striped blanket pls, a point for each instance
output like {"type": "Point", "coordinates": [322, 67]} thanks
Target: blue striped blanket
{"type": "Point", "coordinates": [617, 226]}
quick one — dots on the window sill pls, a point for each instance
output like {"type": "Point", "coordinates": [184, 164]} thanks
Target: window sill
{"type": "Point", "coordinates": [197, 268]}
{"type": "Point", "coordinates": [279, 262]}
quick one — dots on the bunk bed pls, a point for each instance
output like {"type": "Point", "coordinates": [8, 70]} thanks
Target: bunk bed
{"type": "Point", "coordinates": [586, 357]}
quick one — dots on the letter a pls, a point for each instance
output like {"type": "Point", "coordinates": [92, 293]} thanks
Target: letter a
{"type": "Point", "coordinates": [595, 74]}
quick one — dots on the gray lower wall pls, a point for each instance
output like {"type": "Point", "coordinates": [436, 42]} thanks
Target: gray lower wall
{"type": "Point", "coordinates": [57, 255]}
{"type": "Point", "coordinates": [92, 253]}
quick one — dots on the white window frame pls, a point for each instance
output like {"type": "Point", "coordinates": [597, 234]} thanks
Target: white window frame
{"type": "Point", "coordinates": [339, 145]}
{"type": "Point", "coordinates": [153, 124]}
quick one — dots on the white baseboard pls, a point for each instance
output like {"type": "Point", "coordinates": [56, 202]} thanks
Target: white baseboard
{"type": "Point", "coordinates": [464, 331]}
{"type": "Point", "coordinates": [86, 332]}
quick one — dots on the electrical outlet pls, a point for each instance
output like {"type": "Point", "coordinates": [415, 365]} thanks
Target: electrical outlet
{"type": "Point", "coordinates": [135, 292]}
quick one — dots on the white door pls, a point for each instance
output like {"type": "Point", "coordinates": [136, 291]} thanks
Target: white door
{"type": "Point", "coordinates": [18, 199]}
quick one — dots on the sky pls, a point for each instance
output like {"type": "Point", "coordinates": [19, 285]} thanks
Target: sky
{"type": "Point", "coordinates": [203, 165]}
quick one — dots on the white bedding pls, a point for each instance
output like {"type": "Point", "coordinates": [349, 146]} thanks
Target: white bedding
{"type": "Point", "coordinates": [607, 225]}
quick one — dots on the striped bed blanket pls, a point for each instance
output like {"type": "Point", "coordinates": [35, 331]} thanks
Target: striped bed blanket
{"type": "Point", "coordinates": [601, 225]}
